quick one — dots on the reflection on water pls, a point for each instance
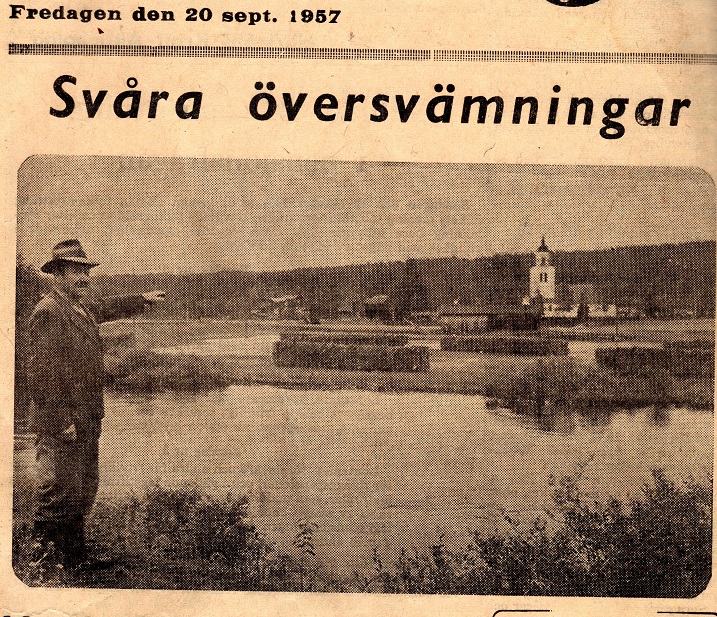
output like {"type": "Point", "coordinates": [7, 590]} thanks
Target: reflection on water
{"type": "Point", "coordinates": [386, 470]}
{"type": "Point", "coordinates": [563, 419]}
{"type": "Point", "coordinates": [660, 415]}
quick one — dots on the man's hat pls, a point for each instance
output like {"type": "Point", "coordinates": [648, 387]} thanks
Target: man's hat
{"type": "Point", "coordinates": [68, 251]}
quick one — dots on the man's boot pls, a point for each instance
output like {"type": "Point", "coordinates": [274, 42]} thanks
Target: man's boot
{"type": "Point", "coordinates": [74, 543]}
{"type": "Point", "coordinates": [48, 543]}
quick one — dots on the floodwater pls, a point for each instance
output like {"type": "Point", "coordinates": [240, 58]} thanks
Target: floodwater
{"type": "Point", "coordinates": [385, 470]}
{"type": "Point", "coordinates": [261, 345]}
{"type": "Point", "coordinates": [256, 345]}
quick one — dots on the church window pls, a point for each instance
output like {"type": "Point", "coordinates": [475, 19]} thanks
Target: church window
{"type": "Point", "coordinates": [542, 261]}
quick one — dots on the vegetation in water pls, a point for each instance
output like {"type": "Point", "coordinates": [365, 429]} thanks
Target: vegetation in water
{"type": "Point", "coordinates": [549, 383]}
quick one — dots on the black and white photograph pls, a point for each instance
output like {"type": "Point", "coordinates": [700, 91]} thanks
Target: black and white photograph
{"type": "Point", "coordinates": [364, 377]}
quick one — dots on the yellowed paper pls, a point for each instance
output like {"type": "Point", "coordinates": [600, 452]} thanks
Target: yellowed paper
{"type": "Point", "coordinates": [427, 270]}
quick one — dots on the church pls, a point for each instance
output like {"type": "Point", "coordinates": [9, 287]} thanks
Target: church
{"type": "Point", "coordinates": [548, 301]}
{"type": "Point", "coordinates": [577, 301]}
{"type": "Point", "coordinates": [542, 274]}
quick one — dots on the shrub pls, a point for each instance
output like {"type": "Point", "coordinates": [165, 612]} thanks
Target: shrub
{"type": "Point", "coordinates": [293, 353]}
{"type": "Point", "coordinates": [657, 546]}
{"type": "Point", "coordinates": [169, 538]}
{"type": "Point", "coordinates": [392, 340]}
{"type": "Point", "coordinates": [557, 383]}
{"type": "Point", "coordinates": [679, 359]}
{"type": "Point", "coordinates": [520, 346]}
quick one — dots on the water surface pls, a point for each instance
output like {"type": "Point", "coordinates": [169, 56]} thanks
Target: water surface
{"type": "Point", "coordinates": [385, 470]}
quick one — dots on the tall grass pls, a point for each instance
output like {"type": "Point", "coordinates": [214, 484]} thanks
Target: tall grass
{"type": "Point", "coordinates": [167, 539]}
{"type": "Point", "coordinates": [657, 546]}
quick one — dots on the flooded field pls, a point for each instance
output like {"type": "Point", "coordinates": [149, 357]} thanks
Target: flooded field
{"type": "Point", "coordinates": [255, 345]}
{"type": "Point", "coordinates": [383, 470]}
{"type": "Point", "coordinates": [261, 345]}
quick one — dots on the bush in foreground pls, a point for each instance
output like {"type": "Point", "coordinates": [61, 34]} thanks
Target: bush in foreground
{"type": "Point", "coordinates": [167, 539]}
{"type": "Point", "coordinates": [656, 546]}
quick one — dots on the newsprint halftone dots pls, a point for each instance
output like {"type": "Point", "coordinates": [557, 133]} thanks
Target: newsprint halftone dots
{"type": "Point", "coordinates": [353, 386]}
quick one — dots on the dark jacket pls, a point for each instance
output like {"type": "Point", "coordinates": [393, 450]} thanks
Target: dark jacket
{"type": "Point", "coordinates": [65, 363]}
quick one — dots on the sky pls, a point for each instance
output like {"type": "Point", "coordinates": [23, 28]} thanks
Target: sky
{"type": "Point", "coordinates": [139, 215]}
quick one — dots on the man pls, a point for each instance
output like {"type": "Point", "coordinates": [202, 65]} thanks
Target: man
{"type": "Point", "coordinates": [66, 376]}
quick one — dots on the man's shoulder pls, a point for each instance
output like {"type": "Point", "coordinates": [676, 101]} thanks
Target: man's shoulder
{"type": "Point", "coordinates": [48, 306]}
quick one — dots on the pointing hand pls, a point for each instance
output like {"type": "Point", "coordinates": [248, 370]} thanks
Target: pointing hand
{"type": "Point", "coordinates": [154, 296]}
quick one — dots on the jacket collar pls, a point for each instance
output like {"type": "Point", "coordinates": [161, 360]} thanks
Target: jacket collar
{"type": "Point", "coordinates": [74, 314]}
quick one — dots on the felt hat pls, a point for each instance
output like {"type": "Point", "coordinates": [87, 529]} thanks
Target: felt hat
{"type": "Point", "coordinates": [68, 251]}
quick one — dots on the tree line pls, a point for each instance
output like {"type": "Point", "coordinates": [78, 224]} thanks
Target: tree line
{"type": "Point", "coordinates": [657, 278]}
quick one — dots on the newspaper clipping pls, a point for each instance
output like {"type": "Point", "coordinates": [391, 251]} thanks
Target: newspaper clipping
{"type": "Point", "coordinates": [358, 308]}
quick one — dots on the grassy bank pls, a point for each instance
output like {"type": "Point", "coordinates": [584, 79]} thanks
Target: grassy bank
{"type": "Point", "coordinates": [656, 546]}
{"type": "Point", "coordinates": [562, 381]}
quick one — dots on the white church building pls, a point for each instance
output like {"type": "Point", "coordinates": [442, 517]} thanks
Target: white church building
{"type": "Point", "coordinates": [543, 285]}
{"type": "Point", "coordinates": [542, 274]}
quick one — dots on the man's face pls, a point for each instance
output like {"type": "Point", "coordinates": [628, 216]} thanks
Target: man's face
{"type": "Point", "coordinates": [73, 279]}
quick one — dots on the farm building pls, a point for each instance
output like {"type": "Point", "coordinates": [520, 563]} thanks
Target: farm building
{"type": "Point", "coordinates": [602, 311]}
{"type": "Point", "coordinates": [460, 319]}
{"type": "Point", "coordinates": [286, 307]}
{"type": "Point", "coordinates": [561, 315]}
{"type": "Point", "coordinates": [380, 307]}
{"type": "Point", "coordinates": [351, 306]}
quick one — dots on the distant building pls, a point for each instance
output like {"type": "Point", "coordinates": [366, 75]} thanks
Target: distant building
{"type": "Point", "coordinates": [462, 319]}
{"type": "Point", "coordinates": [575, 302]}
{"type": "Point", "coordinates": [286, 307]}
{"type": "Point", "coordinates": [602, 311]}
{"type": "Point", "coordinates": [380, 307]}
{"type": "Point", "coordinates": [351, 306]}
{"type": "Point", "coordinates": [542, 274]}
{"type": "Point", "coordinates": [560, 314]}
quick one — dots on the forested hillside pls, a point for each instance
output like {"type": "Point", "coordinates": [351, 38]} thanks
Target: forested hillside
{"type": "Point", "coordinates": [667, 276]}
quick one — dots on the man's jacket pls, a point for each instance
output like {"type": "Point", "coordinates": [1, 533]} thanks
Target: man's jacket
{"type": "Point", "coordinates": [65, 363]}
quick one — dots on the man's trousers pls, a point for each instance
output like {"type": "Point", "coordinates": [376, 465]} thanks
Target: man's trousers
{"type": "Point", "coordinates": [67, 482]}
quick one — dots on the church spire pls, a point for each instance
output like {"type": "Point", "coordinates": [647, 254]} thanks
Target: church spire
{"type": "Point", "coordinates": [543, 247]}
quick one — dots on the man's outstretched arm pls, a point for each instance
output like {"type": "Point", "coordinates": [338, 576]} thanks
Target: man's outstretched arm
{"type": "Point", "coordinates": [123, 307]}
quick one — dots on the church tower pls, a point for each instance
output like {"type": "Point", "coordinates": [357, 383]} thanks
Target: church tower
{"type": "Point", "coordinates": [542, 274]}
